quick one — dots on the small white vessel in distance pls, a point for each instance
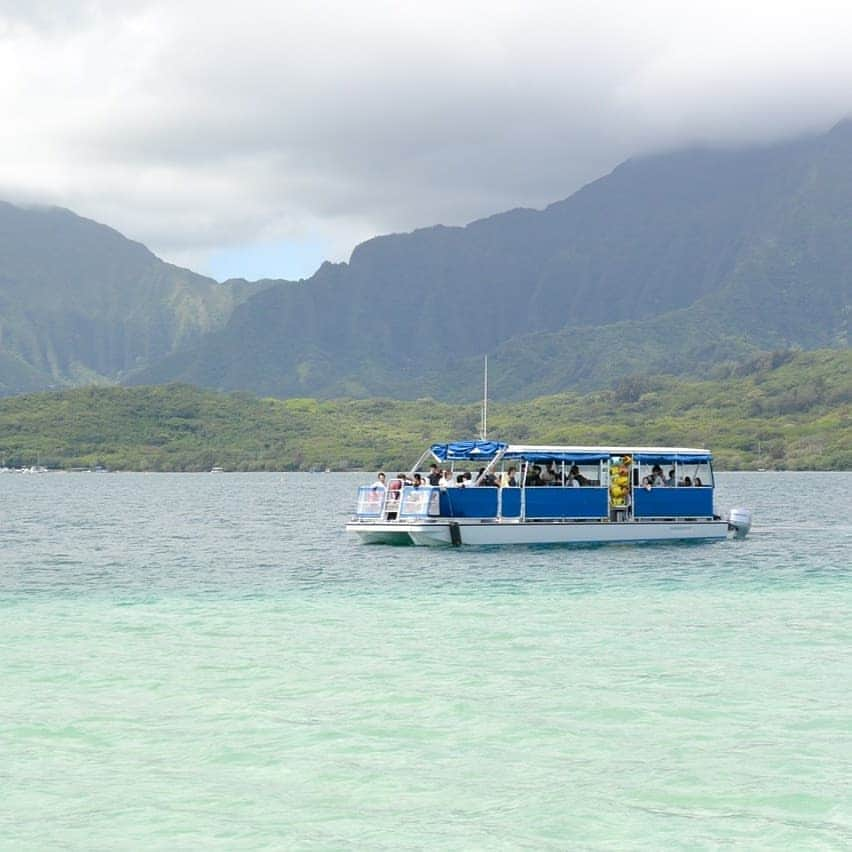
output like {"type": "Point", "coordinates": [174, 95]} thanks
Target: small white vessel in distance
{"type": "Point", "coordinates": [524, 494]}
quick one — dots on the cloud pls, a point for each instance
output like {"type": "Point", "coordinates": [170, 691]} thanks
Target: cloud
{"type": "Point", "coordinates": [204, 128]}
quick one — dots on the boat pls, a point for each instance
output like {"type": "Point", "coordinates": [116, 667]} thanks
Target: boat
{"type": "Point", "coordinates": [549, 494]}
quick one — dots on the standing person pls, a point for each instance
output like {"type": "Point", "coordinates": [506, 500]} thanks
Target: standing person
{"type": "Point", "coordinates": [447, 480]}
{"type": "Point", "coordinates": [434, 475]}
{"type": "Point", "coordinates": [380, 481]}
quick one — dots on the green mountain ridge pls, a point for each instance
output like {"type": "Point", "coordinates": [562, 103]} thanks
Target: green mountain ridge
{"type": "Point", "coordinates": [677, 263]}
{"type": "Point", "coordinates": [671, 263]}
{"type": "Point", "coordinates": [80, 303]}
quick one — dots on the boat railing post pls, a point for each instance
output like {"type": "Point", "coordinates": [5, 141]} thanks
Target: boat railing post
{"type": "Point", "coordinates": [523, 510]}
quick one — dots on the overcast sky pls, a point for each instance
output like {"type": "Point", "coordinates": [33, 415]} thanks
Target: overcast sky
{"type": "Point", "coordinates": [259, 137]}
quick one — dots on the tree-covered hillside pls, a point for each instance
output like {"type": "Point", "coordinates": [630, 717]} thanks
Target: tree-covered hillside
{"type": "Point", "coordinates": [780, 410]}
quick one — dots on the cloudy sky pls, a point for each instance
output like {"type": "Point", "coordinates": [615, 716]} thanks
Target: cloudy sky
{"type": "Point", "coordinates": [257, 138]}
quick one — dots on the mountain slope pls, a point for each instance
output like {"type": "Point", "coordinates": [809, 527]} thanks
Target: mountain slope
{"type": "Point", "coordinates": [671, 262]}
{"type": "Point", "coordinates": [79, 302]}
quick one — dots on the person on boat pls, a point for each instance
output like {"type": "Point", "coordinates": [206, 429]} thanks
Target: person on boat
{"type": "Point", "coordinates": [417, 482]}
{"type": "Point", "coordinates": [509, 479]}
{"type": "Point", "coordinates": [698, 483]}
{"type": "Point", "coordinates": [548, 475]}
{"type": "Point", "coordinates": [447, 480]}
{"type": "Point", "coordinates": [670, 479]}
{"type": "Point", "coordinates": [575, 478]}
{"type": "Point", "coordinates": [395, 486]}
{"type": "Point", "coordinates": [469, 481]}
{"type": "Point", "coordinates": [533, 476]}
{"type": "Point", "coordinates": [460, 481]}
{"type": "Point", "coordinates": [656, 477]}
{"type": "Point", "coordinates": [488, 479]}
{"type": "Point", "coordinates": [686, 482]}
{"type": "Point", "coordinates": [380, 481]}
{"type": "Point", "coordinates": [434, 475]}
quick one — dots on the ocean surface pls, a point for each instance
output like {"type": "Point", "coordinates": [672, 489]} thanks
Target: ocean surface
{"type": "Point", "coordinates": [195, 661]}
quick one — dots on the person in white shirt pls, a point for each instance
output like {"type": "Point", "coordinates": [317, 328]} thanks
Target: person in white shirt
{"type": "Point", "coordinates": [380, 481]}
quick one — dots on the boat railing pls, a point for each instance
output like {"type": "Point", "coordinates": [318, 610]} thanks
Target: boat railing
{"type": "Point", "coordinates": [370, 502]}
{"type": "Point", "coordinates": [421, 502]}
{"type": "Point", "coordinates": [662, 502]}
{"type": "Point", "coordinates": [586, 503]}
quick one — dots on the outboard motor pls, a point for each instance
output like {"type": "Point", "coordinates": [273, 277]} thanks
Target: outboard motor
{"type": "Point", "coordinates": [739, 522]}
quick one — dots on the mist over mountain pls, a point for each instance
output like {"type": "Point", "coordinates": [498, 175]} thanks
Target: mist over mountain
{"type": "Point", "coordinates": [673, 263]}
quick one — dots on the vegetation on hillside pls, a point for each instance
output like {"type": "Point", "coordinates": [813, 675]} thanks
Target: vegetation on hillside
{"type": "Point", "coordinates": [781, 410]}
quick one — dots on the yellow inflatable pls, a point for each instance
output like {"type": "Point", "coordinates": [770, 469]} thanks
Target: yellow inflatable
{"type": "Point", "coordinates": [619, 480]}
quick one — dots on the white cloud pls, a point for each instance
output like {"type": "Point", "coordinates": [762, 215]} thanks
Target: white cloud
{"type": "Point", "coordinates": [199, 127]}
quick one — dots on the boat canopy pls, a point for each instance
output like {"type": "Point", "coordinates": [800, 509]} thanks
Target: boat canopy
{"type": "Point", "coordinates": [467, 450]}
{"type": "Point", "coordinates": [544, 454]}
{"type": "Point", "coordinates": [664, 458]}
{"type": "Point", "coordinates": [488, 450]}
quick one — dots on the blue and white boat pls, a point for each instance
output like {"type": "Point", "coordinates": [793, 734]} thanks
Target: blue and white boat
{"type": "Point", "coordinates": [555, 495]}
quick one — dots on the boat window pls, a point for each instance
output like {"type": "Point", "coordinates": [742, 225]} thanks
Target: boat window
{"type": "Point", "coordinates": [668, 474]}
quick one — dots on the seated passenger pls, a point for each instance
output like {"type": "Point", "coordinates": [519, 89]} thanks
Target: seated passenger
{"type": "Point", "coordinates": [670, 479]}
{"type": "Point", "coordinates": [686, 482]}
{"type": "Point", "coordinates": [646, 483]}
{"type": "Point", "coordinates": [447, 480]}
{"type": "Point", "coordinates": [548, 476]}
{"type": "Point", "coordinates": [698, 483]}
{"type": "Point", "coordinates": [533, 476]}
{"type": "Point", "coordinates": [460, 481]}
{"type": "Point", "coordinates": [509, 479]}
{"type": "Point", "coordinates": [417, 482]}
{"type": "Point", "coordinates": [575, 477]}
{"type": "Point", "coordinates": [656, 477]}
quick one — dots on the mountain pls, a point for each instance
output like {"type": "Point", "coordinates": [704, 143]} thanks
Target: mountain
{"type": "Point", "coordinates": [672, 263]}
{"type": "Point", "coordinates": [675, 263]}
{"type": "Point", "coordinates": [79, 302]}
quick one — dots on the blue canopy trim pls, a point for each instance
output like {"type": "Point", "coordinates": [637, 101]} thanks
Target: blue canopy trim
{"type": "Point", "coordinates": [467, 450]}
{"type": "Point", "coordinates": [683, 458]}
{"type": "Point", "coordinates": [547, 455]}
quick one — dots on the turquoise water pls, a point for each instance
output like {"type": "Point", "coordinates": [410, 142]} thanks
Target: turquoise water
{"type": "Point", "coordinates": [197, 661]}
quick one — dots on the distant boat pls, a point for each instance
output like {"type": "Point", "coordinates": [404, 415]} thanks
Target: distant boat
{"type": "Point", "coordinates": [217, 469]}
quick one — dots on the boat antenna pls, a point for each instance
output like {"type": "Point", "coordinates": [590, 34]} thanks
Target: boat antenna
{"type": "Point", "coordinates": [484, 430]}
